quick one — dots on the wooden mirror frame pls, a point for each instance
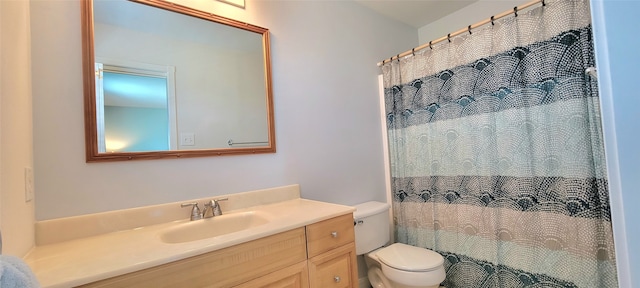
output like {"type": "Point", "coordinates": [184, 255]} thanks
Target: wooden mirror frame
{"type": "Point", "coordinates": [91, 126]}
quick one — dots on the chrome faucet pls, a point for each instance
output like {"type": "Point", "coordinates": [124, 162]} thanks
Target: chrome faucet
{"type": "Point", "coordinates": [195, 211]}
{"type": "Point", "coordinates": [212, 208]}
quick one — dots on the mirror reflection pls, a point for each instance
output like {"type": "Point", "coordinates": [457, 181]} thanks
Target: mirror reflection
{"type": "Point", "coordinates": [168, 83]}
{"type": "Point", "coordinates": [136, 114]}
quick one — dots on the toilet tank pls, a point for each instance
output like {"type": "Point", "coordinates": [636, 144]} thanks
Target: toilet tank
{"type": "Point", "coordinates": [371, 226]}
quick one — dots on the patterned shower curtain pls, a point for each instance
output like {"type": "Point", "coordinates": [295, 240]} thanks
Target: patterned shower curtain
{"type": "Point", "coordinates": [497, 153]}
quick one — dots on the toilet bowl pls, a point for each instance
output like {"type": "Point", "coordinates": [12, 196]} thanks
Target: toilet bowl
{"type": "Point", "coordinates": [376, 278]}
{"type": "Point", "coordinates": [406, 266]}
{"type": "Point", "coordinates": [397, 265]}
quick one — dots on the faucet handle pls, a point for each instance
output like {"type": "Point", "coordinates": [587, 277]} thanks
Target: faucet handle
{"type": "Point", "coordinates": [195, 211]}
{"type": "Point", "coordinates": [215, 206]}
{"type": "Point", "coordinates": [207, 211]}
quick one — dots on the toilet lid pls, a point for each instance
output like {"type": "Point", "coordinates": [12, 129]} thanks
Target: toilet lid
{"type": "Point", "coordinates": [409, 258]}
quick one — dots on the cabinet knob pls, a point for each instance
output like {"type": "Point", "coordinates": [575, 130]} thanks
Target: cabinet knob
{"type": "Point", "coordinates": [334, 234]}
{"type": "Point", "coordinates": [336, 279]}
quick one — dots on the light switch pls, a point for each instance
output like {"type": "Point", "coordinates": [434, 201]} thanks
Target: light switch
{"type": "Point", "coordinates": [187, 139]}
{"type": "Point", "coordinates": [28, 184]}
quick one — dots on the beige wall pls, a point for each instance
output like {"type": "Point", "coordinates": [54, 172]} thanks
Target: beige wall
{"type": "Point", "coordinates": [464, 17]}
{"type": "Point", "coordinates": [617, 60]}
{"type": "Point", "coordinates": [326, 113]}
{"type": "Point", "coordinates": [16, 149]}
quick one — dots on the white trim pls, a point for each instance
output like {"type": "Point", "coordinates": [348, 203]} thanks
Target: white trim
{"type": "Point", "coordinates": [237, 3]}
{"type": "Point", "coordinates": [1, 123]}
{"type": "Point", "coordinates": [172, 108]}
{"type": "Point", "coordinates": [387, 163]}
{"type": "Point", "coordinates": [127, 65]}
{"type": "Point", "coordinates": [98, 70]}
{"type": "Point", "coordinates": [611, 145]}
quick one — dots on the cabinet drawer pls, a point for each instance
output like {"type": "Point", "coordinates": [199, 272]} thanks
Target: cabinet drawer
{"type": "Point", "coordinates": [329, 234]}
{"type": "Point", "coordinates": [334, 269]}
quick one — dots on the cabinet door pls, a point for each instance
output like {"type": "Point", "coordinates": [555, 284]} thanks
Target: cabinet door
{"type": "Point", "coordinates": [334, 269]}
{"type": "Point", "coordinates": [294, 276]}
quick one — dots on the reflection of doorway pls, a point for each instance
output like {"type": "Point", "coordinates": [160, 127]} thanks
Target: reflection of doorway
{"type": "Point", "coordinates": [136, 108]}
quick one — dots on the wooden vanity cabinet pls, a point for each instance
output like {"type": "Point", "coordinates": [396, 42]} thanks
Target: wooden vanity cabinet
{"type": "Point", "coordinates": [320, 255]}
{"type": "Point", "coordinates": [222, 268]}
{"type": "Point", "coordinates": [331, 263]}
{"type": "Point", "coordinates": [332, 253]}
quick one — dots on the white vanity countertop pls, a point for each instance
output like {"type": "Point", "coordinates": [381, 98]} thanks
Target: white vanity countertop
{"type": "Point", "coordinates": [85, 260]}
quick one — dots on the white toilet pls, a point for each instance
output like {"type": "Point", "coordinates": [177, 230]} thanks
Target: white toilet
{"type": "Point", "coordinates": [397, 265]}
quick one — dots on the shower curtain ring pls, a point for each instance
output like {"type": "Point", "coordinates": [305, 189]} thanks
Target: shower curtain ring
{"type": "Point", "coordinates": [544, 4]}
{"type": "Point", "coordinates": [492, 20]}
{"type": "Point", "coordinates": [430, 45]}
{"type": "Point", "coordinates": [515, 11]}
{"type": "Point", "coordinates": [413, 51]}
{"type": "Point", "coordinates": [469, 29]}
{"type": "Point", "coordinates": [398, 57]}
{"type": "Point", "coordinates": [449, 37]}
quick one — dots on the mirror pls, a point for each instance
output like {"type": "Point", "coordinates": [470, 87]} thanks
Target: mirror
{"type": "Point", "coordinates": [163, 80]}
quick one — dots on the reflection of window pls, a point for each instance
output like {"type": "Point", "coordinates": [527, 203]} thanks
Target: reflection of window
{"type": "Point", "coordinates": [135, 108]}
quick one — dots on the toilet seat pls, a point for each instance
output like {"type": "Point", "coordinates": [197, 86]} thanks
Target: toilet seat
{"type": "Point", "coordinates": [409, 265]}
{"type": "Point", "coordinates": [409, 258]}
{"type": "Point", "coordinates": [414, 279]}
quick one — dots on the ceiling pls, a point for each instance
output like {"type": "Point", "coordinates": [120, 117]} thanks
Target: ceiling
{"type": "Point", "coordinates": [416, 13]}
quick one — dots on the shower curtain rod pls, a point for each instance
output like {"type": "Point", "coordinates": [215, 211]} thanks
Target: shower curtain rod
{"type": "Point", "coordinates": [468, 29]}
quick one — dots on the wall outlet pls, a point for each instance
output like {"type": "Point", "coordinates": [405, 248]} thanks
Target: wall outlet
{"type": "Point", "coordinates": [187, 139]}
{"type": "Point", "coordinates": [28, 184]}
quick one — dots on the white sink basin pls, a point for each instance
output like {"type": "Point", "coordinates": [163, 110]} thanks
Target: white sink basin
{"type": "Point", "coordinates": [213, 227]}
